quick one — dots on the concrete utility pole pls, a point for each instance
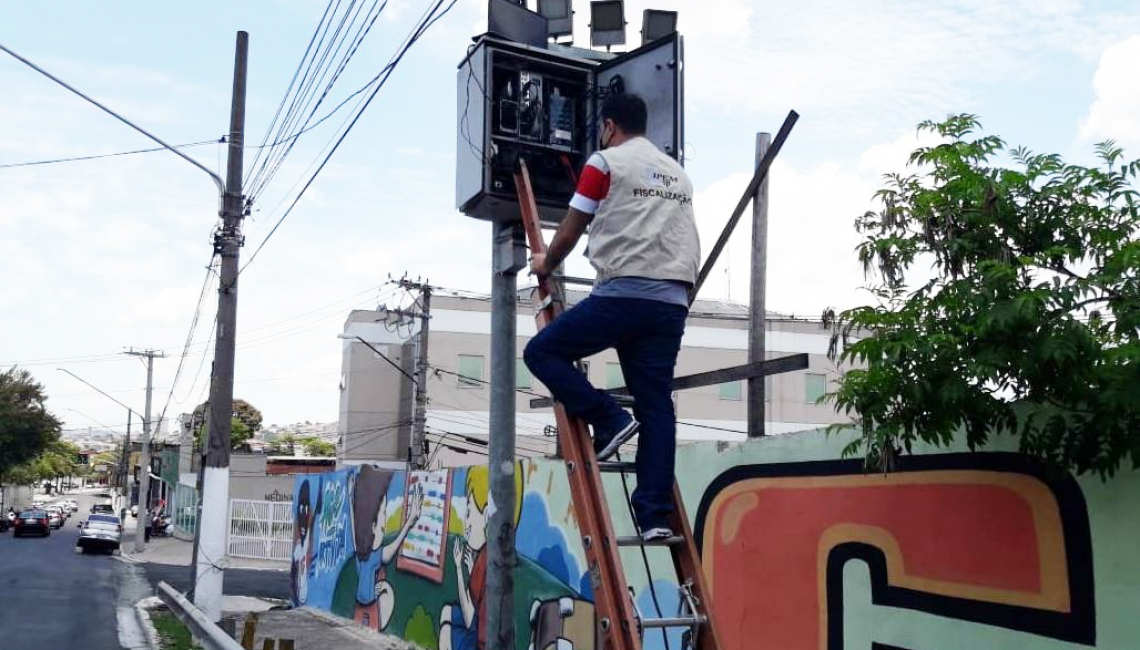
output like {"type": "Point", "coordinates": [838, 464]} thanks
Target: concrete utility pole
{"type": "Point", "coordinates": [124, 488]}
{"type": "Point", "coordinates": [143, 520]}
{"type": "Point", "coordinates": [216, 468]}
{"type": "Point", "coordinates": [416, 447]}
{"type": "Point", "coordinates": [757, 324]}
{"type": "Point", "coordinates": [508, 258]}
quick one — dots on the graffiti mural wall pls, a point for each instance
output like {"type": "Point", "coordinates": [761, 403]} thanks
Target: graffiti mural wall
{"type": "Point", "coordinates": [406, 554]}
{"type": "Point", "coordinates": [804, 551]}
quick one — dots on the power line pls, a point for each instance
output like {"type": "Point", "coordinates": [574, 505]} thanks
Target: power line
{"type": "Point", "coordinates": [106, 155]}
{"type": "Point", "coordinates": [383, 77]}
{"type": "Point", "coordinates": [268, 170]}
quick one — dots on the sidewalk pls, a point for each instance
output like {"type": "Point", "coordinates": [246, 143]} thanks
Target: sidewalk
{"type": "Point", "coordinates": [308, 629]}
{"type": "Point", "coordinates": [311, 629]}
{"type": "Point", "coordinates": [178, 552]}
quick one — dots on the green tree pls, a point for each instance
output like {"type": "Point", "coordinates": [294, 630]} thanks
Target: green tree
{"type": "Point", "coordinates": [1007, 302]}
{"type": "Point", "coordinates": [318, 447]}
{"type": "Point", "coordinates": [242, 410]}
{"type": "Point", "coordinates": [286, 444]}
{"type": "Point", "coordinates": [240, 434]}
{"type": "Point", "coordinates": [26, 426]}
{"type": "Point", "coordinates": [57, 460]}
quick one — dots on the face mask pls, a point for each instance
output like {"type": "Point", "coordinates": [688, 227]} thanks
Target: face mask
{"type": "Point", "coordinates": [604, 142]}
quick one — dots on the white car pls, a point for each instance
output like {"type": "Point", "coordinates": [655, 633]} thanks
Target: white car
{"type": "Point", "coordinates": [55, 516]}
{"type": "Point", "coordinates": [100, 532]}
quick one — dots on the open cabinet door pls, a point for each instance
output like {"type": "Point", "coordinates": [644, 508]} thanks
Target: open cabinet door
{"type": "Point", "coordinates": [655, 72]}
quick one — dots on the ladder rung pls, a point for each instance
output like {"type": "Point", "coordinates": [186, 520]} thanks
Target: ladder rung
{"type": "Point", "coordinates": [637, 541]}
{"type": "Point", "coordinates": [684, 621]}
{"type": "Point", "coordinates": [610, 466]}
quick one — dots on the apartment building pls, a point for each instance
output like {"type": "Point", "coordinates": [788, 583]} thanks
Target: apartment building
{"type": "Point", "coordinates": [376, 398]}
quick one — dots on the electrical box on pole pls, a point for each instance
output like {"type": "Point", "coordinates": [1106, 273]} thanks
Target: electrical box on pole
{"type": "Point", "coordinates": [517, 100]}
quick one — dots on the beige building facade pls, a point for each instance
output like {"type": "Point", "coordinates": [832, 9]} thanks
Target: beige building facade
{"type": "Point", "coordinates": [377, 399]}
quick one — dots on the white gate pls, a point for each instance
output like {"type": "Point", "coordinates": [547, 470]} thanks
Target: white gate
{"type": "Point", "coordinates": [261, 529]}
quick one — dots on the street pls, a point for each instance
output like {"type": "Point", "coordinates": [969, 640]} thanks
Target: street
{"type": "Point", "coordinates": [54, 599]}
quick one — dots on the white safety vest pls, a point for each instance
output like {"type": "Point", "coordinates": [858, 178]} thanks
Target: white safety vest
{"type": "Point", "coordinates": [644, 227]}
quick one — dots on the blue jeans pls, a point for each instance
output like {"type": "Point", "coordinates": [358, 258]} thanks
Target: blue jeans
{"type": "Point", "coordinates": [647, 337]}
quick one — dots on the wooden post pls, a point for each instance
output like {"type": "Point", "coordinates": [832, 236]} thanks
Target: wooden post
{"type": "Point", "coordinates": [756, 323]}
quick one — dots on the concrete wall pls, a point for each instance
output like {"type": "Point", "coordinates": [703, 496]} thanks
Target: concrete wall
{"type": "Point", "coordinates": [375, 401]}
{"type": "Point", "coordinates": [15, 496]}
{"type": "Point", "coordinates": [248, 480]}
{"type": "Point", "coordinates": [954, 551]}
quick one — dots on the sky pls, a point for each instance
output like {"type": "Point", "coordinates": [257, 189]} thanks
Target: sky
{"type": "Point", "coordinates": [103, 255]}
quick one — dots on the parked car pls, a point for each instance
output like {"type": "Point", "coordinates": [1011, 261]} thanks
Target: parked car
{"type": "Point", "coordinates": [99, 533]}
{"type": "Point", "coordinates": [105, 508]}
{"type": "Point", "coordinates": [32, 522]}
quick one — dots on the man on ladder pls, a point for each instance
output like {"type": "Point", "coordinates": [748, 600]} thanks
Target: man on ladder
{"type": "Point", "coordinates": [644, 245]}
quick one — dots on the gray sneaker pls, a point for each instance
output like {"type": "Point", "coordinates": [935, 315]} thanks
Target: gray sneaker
{"type": "Point", "coordinates": [619, 439]}
{"type": "Point", "coordinates": [655, 534]}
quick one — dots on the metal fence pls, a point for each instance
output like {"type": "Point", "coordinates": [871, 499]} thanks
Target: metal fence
{"type": "Point", "coordinates": [183, 509]}
{"type": "Point", "coordinates": [260, 529]}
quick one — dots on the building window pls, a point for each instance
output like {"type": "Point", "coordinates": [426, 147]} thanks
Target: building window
{"type": "Point", "coordinates": [470, 371]}
{"type": "Point", "coordinates": [614, 378]}
{"type": "Point", "coordinates": [523, 378]}
{"type": "Point", "coordinates": [814, 387]}
{"type": "Point", "coordinates": [730, 390]}
{"type": "Point", "coordinates": [584, 366]}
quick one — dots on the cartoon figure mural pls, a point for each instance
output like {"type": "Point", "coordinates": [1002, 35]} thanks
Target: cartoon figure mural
{"type": "Point", "coordinates": [302, 541]}
{"type": "Point", "coordinates": [405, 553]}
{"type": "Point", "coordinates": [375, 599]}
{"type": "Point", "coordinates": [463, 626]}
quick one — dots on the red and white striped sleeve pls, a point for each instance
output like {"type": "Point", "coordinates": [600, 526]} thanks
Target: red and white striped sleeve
{"type": "Point", "coordinates": [593, 185]}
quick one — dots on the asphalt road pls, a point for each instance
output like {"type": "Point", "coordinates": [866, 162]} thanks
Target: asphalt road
{"type": "Point", "coordinates": [54, 599]}
{"type": "Point", "coordinates": [241, 582]}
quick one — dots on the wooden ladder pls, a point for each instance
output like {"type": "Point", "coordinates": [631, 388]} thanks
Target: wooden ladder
{"type": "Point", "coordinates": [619, 626]}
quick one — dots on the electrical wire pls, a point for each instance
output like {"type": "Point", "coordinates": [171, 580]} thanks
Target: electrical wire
{"type": "Point", "coordinates": [190, 334]}
{"type": "Point", "coordinates": [644, 555]}
{"type": "Point", "coordinates": [373, 13]}
{"type": "Point", "coordinates": [104, 155]}
{"type": "Point", "coordinates": [382, 78]}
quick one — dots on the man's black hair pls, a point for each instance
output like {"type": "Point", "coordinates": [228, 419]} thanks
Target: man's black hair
{"type": "Point", "coordinates": [627, 111]}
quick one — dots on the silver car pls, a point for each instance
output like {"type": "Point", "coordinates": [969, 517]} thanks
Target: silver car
{"type": "Point", "coordinates": [55, 516]}
{"type": "Point", "coordinates": [100, 532]}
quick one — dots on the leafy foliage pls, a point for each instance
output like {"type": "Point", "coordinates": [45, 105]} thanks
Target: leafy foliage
{"type": "Point", "coordinates": [242, 410]}
{"type": "Point", "coordinates": [26, 426]}
{"type": "Point", "coordinates": [318, 448]}
{"type": "Point", "coordinates": [240, 434]}
{"type": "Point", "coordinates": [244, 423]}
{"type": "Point", "coordinates": [56, 460]}
{"type": "Point", "coordinates": [1028, 320]}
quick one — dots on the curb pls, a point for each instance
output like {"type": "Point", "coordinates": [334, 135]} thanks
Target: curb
{"type": "Point", "coordinates": [142, 611]}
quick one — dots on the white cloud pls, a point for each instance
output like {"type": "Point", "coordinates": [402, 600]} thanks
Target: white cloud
{"type": "Point", "coordinates": [1115, 114]}
{"type": "Point", "coordinates": [811, 259]}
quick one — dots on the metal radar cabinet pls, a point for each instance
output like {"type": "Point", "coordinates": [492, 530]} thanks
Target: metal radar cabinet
{"type": "Point", "coordinates": [541, 104]}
